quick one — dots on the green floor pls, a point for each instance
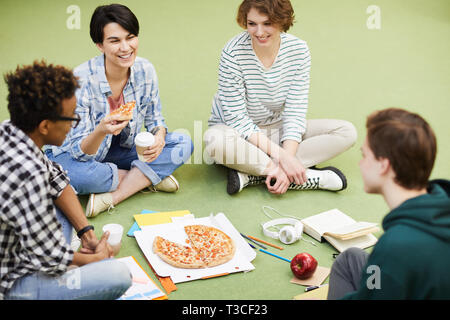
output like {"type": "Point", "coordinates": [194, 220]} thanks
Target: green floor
{"type": "Point", "coordinates": [355, 70]}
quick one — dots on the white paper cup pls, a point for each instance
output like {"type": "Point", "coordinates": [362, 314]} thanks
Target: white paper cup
{"type": "Point", "coordinates": [143, 140]}
{"type": "Point", "coordinates": [115, 236]}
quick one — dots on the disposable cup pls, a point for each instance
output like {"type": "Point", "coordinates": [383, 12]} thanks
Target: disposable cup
{"type": "Point", "coordinates": [115, 236]}
{"type": "Point", "coordinates": [142, 141]}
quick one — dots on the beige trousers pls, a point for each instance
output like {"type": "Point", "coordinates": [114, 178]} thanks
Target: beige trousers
{"type": "Point", "coordinates": [323, 140]}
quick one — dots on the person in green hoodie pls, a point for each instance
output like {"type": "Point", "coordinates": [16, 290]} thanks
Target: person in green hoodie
{"type": "Point", "coordinates": [411, 260]}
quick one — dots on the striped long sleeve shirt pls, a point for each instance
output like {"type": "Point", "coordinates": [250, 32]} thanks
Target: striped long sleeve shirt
{"type": "Point", "coordinates": [250, 95]}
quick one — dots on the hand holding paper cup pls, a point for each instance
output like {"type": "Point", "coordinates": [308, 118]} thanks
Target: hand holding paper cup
{"type": "Point", "coordinates": [115, 236]}
{"type": "Point", "coordinates": [143, 140]}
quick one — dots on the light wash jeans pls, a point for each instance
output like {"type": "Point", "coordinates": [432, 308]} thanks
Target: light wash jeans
{"type": "Point", "coordinates": [98, 177]}
{"type": "Point", "coordinates": [103, 280]}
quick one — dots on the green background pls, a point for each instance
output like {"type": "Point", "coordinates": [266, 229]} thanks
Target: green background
{"type": "Point", "coordinates": [354, 72]}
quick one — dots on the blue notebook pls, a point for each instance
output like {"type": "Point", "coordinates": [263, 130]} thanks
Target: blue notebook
{"type": "Point", "coordinates": [135, 226]}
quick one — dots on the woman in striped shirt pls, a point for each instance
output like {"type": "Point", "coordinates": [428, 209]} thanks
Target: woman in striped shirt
{"type": "Point", "coordinates": [258, 125]}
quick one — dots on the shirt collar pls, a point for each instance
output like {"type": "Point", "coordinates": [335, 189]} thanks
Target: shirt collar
{"type": "Point", "coordinates": [17, 134]}
{"type": "Point", "coordinates": [104, 84]}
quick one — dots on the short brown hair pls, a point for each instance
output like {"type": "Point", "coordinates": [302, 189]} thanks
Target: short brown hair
{"type": "Point", "coordinates": [407, 141]}
{"type": "Point", "coordinates": [279, 12]}
{"type": "Point", "coordinates": [36, 92]}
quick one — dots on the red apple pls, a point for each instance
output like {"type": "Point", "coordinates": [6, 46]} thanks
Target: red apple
{"type": "Point", "coordinates": [303, 265]}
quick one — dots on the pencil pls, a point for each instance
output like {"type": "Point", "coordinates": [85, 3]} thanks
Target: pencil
{"type": "Point", "coordinates": [251, 245]}
{"type": "Point", "coordinates": [276, 256]}
{"type": "Point", "coordinates": [268, 243]}
{"type": "Point", "coordinates": [258, 244]}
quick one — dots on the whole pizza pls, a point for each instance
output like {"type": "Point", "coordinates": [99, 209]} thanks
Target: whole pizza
{"type": "Point", "coordinates": [209, 247]}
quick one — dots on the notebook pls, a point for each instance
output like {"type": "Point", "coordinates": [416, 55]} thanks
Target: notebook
{"type": "Point", "coordinates": [340, 230]}
{"type": "Point", "coordinates": [142, 287]}
{"type": "Point", "coordinates": [316, 294]}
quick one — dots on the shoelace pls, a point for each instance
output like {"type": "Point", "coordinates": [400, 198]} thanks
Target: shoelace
{"type": "Point", "coordinates": [254, 180]}
{"type": "Point", "coordinates": [151, 188]}
{"type": "Point", "coordinates": [111, 209]}
{"type": "Point", "coordinates": [311, 183]}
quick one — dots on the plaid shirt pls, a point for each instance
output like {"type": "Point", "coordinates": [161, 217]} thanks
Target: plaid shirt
{"type": "Point", "coordinates": [93, 106]}
{"type": "Point", "coordinates": [31, 237]}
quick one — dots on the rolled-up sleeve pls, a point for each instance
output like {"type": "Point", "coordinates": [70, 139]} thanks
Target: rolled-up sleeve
{"type": "Point", "coordinates": [58, 179]}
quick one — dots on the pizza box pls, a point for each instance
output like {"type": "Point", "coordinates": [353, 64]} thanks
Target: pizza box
{"type": "Point", "coordinates": [175, 232]}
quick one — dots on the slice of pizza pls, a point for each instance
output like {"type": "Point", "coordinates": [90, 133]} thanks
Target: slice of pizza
{"type": "Point", "coordinates": [214, 246]}
{"type": "Point", "coordinates": [125, 111]}
{"type": "Point", "coordinates": [176, 254]}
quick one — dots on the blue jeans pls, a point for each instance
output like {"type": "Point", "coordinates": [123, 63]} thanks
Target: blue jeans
{"type": "Point", "coordinates": [98, 177]}
{"type": "Point", "coordinates": [107, 279]}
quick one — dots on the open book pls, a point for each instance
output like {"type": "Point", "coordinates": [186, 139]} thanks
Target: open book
{"type": "Point", "coordinates": [340, 230]}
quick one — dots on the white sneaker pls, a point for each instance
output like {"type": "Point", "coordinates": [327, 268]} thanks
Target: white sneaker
{"type": "Point", "coordinates": [328, 178]}
{"type": "Point", "coordinates": [98, 203]}
{"type": "Point", "coordinates": [75, 242]}
{"type": "Point", "coordinates": [168, 184]}
{"type": "Point", "coordinates": [239, 180]}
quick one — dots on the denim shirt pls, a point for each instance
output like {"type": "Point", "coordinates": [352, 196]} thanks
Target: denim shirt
{"type": "Point", "coordinates": [93, 106]}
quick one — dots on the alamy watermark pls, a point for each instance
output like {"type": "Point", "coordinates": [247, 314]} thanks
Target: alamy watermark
{"type": "Point", "coordinates": [374, 280]}
{"type": "Point", "coordinates": [224, 145]}
{"type": "Point", "coordinates": [374, 20]}
{"type": "Point", "coordinates": [73, 22]}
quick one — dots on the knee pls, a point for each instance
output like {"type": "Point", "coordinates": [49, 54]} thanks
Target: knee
{"type": "Point", "coordinates": [348, 257]}
{"type": "Point", "coordinates": [216, 139]}
{"type": "Point", "coordinates": [93, 178]}
{"type": "Point", "coordinates": [348, 131]}
{"type": "Point", "coordinates": [182, 146]}
{"type": "Point", "coordinates": [119, 275]}
{"type": "Point", "coordinates": [187, 145]}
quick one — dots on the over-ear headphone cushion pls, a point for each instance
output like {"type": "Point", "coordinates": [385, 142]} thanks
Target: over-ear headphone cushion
{"type": "Point", "coordinates": [288, 235]}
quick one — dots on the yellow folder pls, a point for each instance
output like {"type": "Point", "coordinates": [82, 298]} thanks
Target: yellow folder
{"type": "Point", "coordinates": [158, 217]}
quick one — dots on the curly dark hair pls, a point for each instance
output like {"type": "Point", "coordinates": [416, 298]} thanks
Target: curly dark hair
{"type": "Point", "coordinates": [36, 93]}
{"type": "Point", "coordinates": [279, 12]}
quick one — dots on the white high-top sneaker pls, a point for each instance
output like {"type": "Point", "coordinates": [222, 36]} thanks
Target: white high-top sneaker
{"type": "Point", "coordinates": [239, 180]}
{"type": "Point", "coordinates": [328, 178]}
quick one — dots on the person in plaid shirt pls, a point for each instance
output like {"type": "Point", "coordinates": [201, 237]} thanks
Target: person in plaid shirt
{"type": "Point", "coordinates": [38, 207]}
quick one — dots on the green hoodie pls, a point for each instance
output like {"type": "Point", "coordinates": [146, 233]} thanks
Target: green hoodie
{"type": "Point", "coordinates": [412, 258]}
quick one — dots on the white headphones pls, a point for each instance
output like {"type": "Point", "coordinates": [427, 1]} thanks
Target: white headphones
{"type": "Point", "coordinates": [287, 234]}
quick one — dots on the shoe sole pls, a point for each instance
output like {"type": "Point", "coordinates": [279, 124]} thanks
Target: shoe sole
{"type": "Point", "coordinates": [90, 206]}
{"type": "Point", "coordinates": [340, 175]}
{"type": "Point", "coordinates": [172, 178]}
{"type": "Point", "coordinates": [233, 184]}
{"type": "Point", "coordinates": [174, 181]}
